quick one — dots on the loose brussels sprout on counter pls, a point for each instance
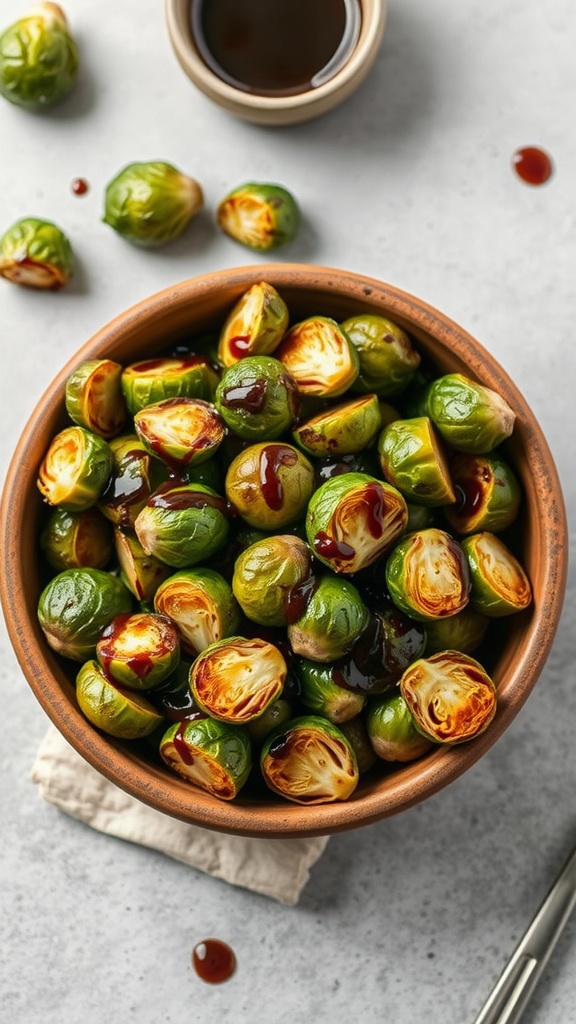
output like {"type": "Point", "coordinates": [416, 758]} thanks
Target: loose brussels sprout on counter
{"type": "Point", "coordinates": [151, 203]}
{"type": "Point", "coordinates": [36, 254]}
{"type": "Point", "coordinates": [275, 578]}
{"type": "Point", "coordinates": [259, 215]}
{"type": "Point", "coordinates": [38, 58]}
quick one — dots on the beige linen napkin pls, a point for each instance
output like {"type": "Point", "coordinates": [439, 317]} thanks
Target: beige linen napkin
{"type": "Point", "coordinates": [278, 868]}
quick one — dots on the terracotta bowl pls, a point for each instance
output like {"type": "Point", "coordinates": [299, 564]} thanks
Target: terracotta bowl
{"type": "Point", "coordinates": [199, 305]}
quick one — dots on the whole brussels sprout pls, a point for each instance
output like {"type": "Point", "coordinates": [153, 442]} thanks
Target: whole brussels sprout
{"type": "Point", "coordinates": [93, 397]}
{"type": "Point", "coordinates": [352, 519]}
{"type": "Point", "coordinates": [38, 58]}
{"type": "Point", "coordinates": [201, 605]}
{"type": "Point", "coordinates": [138, 650]}
{"type": "Point", "coordinates": [213, 755]}
{"type": "Point", "coordinates": [269, 484]}
{"type": "Point", "coordinates": [344, 429]}
{"type": "Point", "coordinates": [309, 761]}
{"type": "Point", "coordinates": [332, 621]}
{"type": "Point", "coordinates": [320, 693]}
{"type": "Point", "coordinates": [124, 714]}
{"type": "Point", "coordinates": [392, 731]}
{"type": "Point", "coordinates": [183, 524]}
{"type": "Point", "coordinates": [275, 715]}
{"type": "Point", "coordinates": [236, 679]}
{"type": "Point", "coordinates": [272, 579]}
{"type": "Point", "coordinates": [255, 325]}
{"type": "Point", "coordinates": [257, 398]}
{"type": "Point", "coordinates": [141, 572]}
{"type": "Point", "coordinates": [75, 469]}
{"type": "Point", "coordinates": [412, 458]}
{"type": "Point", "coordinates": [320, 357]}
{"type": "Point", "coordinates": [388, 361]}
{"type": "Point", "coordinates": [76, 605]}
{"type": "Point", "coordinates": [390, 642]}
{"type": "Point", "coordinates": [36, 254]}
{"type": "Point", "coordinates": [180, 431]}
{"type": "Point", "coordinates": [469, 416]}
{"type": "Point", "coordinates": [463, 632]}
{"type": "Point", "coordinates": [450, 696]}
{"type": "Point", "coordinates": [500, 585]}
{"type": "Point", "coordinates": [153, 380]}
{"type": "Point", "coordinates": [135, 475]}
{"type": "Point", "coordinates": [487, 493]}
{"type": "Point", "coordinates": [75, 540]}
{"type": "Point", "coordinates": [259, 215]}
{"type": "Point", "coordinates": [427, 575]}
{"type": "Point", "coordinates": [151, 203]}
{"type": "Point", "coordinates": [356, 733]}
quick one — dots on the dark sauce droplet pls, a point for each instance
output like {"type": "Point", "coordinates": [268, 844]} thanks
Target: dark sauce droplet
{"type": "Point", "coordinates": [79, 186]}
{"type": "Point", "coordinates": [532, 165]}
{"type": "Point", "coordinates": [329, 547]}
{"type": "Point", "coordinates": [213, 960]}
{"type": "Point", "coordinates": [272, 458]}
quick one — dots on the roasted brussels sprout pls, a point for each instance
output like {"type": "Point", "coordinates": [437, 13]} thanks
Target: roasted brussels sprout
{"type": "Point", "coordinates": [75, 540]}
{"type": "Point", "coordinates": [138, 650]}
{"type": "Point", "coordinates": [270, 484]}
{"type": "Point", "coordinates": [75, 469]}
{"type": "Point", "coordinates": [390, 642]}
{"type": "Point", "coordinates": [469, 416]}
{"type": "Point", "coordinates": [352, 519]}
{"type": "Point", "coordinates": [255, 326]}
{"type": "Point", "coordinates": [487, 493]}
{"type": "Point", "coordinates": [272, 579]}
{"type": "Point", "coordinates": [76, 605]}
{"type": "Point", "coordinates": [124, 714]}
{"type": "Point", "coordinates": [309, 761]}
{"type": "Point", "coordinates": [151, 203]}
{"type": "Point", "coordinates": [463, 632]}
{"type": "Point", "coordinates": [388, 361]}
{"type": "Point", "coordinates": [201, 605]}
{"type": "Point", "coordinates": [500, 585]}
{"type": "Point", "coordinates": [450, 696]}
{"type": "Point", "coordinates": [332, 621]}
{"type": "Point", "coordinates": [320, 692]}
{"type": "Point", "coordinates": [135, 474]}
{"type": "Point", "coordinates": [38, 58]}
{"type": "Point", "coordinates": [356, 733]}
{"type": "Point", "coordinates": [153, 380]}
{"type": "Point", "coordinates": [180, 431]}
{"type": "Point", "coordinates": [142, 573]}
{"type": "Point", "coordinates": [258, 398]}
{"type": "Point", "coordinates": [275, 715]}
{"type": "Point", "coordinates": [320, 357]}
{"type": "Point", "coordinates": [94, 399]}
{"type": "Point", "coordinates": [427, 575]}
{"type": "Point", "coordinates": [183, 524]}
{"type": "Point", "coordinates": [236, 679]}
{"type": "Point", "coordinates": [259, 215]}
{"type": "Point", "coordinates": [213, 755]}
{"type": "Point", "coordinates": [344, 429]}
{"type": "Point", "coordinates": [392, 731]}
{"type": "Point", "coordinates": [36, 254]}
{"type": "Point", "coordinates": [412, 458]}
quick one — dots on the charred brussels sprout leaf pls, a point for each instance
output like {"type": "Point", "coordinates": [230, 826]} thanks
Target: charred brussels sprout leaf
{"type": "Point", "coordinates": [201, 605]}
{"type": "Point", "coordinates": [236, 679]}
{"type": "Point", "coordinates": [309, 761]}
{"type": "Point", "coordinates": [75, 607]}
{"type": "Point", "coordinates": [121, 713]}
{"type": "Point", "coordinates": [345, 429]}
{"type": "Point", "coordinates": [257, 398]}
{"type": "Point", "coordinates": [180, 431]}
{"type": "Point", "coordinates": [320, 692]}
{"type": "Point", "coordinates": [487, 493]}
{"type": "Point", "coordinates": [450, 696]}
{"type": "Point", "coordinates": [427, 575]}
{"type": "Point", "coordinates": [75, 540]}
{"type": "Point", "coordinates": [388, 361]}
{"type": "Point", "coordinates": [500, 585]}
{"type": "Point", "coordinates": [272, 579]}
{"type": "Point", "coordinates": [413, 459]}
{"type": "Point", "coordinates": [270, 484]}
{"type": "Point", "coordinates": [260, 216]}
{"type": "Point", "coordinates": [93, 397]}
{"type": "Point", "coordinates": [392, 731]}
{"type": "Point", "coordinates": [255, 326]}
{"type": "Point", "coordinates": [36, 254]}
{"type": "Point", "coordinates": [213, 755]}
{"type": "Point", "coordinates": [151, 203]}
{"type": "Point", "coordinates": [139, 651]}
{"type": "Point", "coordinates": [332, 621]}
{"type": "Point", "coordinates": [183, 524]}
{"type": "Point", "coordinates": [38, 58]}
{"type": "Point", "coordinates": [469, 416]}
{"type": "Point", "coordinates": [75, 469]}
{"type": "Point", "coordinates": [320, 357]}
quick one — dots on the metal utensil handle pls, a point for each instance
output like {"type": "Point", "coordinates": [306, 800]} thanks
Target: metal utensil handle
{"type": "Point", "coordinates": [512, 991]}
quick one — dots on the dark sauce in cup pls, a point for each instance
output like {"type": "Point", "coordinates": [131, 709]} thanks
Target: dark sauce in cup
{"type": "Point", "coordinates": [275, 47]}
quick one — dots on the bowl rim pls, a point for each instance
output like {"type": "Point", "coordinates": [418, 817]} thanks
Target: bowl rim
{"type": "Point", "coordinates": [406, 785]}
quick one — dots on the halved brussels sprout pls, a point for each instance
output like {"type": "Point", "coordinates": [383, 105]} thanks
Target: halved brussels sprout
{"type": "Point", "coordinates": [469, 416]}
{"type": "Point", "coordinates": [320, 357]}
{"type": "Point", "coordinates": [257, 398]}
{"type": "Point", "coordinates": [139, 650]}
{"type": "Point", "coordinates": [500, 585]}
{"type": "Point", "coordinates": [344, 429]}
{"type": "Point", "coordinates": [463, 632]}
{"type": "Point", "coordinates": [74, 540]}
{"type": "Point", "coordinates": [275, 715]}
{"type": "Point", "coordinates": [76, 605]}
{"type": "Point", "coordinates": [181, 431]}
{"type": "Point", "coordinates": [332, 621]}
{"type": "Point", "coordinates": [135, 475]}
{"type": "Point", "coordinates": [392, 730]}
{"type": "Point", "coordinates": [259, 215]}
{"type": "Point", "coordinates": [38, 58]}
{"type": "Point", "coordinates": [94, 398]}
{"type": "Point", "coordinates": [183, 524]}
{"type": "Point", "coordinates": [390, 642]}
{"type": "Point", "coordinates": [201, 605]}
{"type": "Point", "coordinates": [121, 713]}
{"type": "Point", "coordinates": [213, 755]}
{"type": "Point", "coordinates": [36, 254]}
{"type": "Point", "coordinates": [151, 203]}
{"type": "Point", "coordinates": [352, 519]}
{"type": "Point", "coordinates": [487, 493]}
{"type": "Point", "coordinates": [272, 579]}
{"type": "Point", "coordinates": [270, 484]}
{"type": "Point", "coordinates": [75, 469]}
{"type": "Point", "coordinates": [255, 326]}
{"type": "Point", "coordinates": [450, 696]}
{"type": "Point", "coordinates": [388, 361]}
{"type": "Point", "coordinates": [142, 573]}
{"type": "Point", "coordinates": [236, 679]}
{"type": "Point", "coordinates": [320, 692]}
{"type": "Point", "coordinates": [309, 761]}
{"type": "Point", "coordinates": [412, 458]}
{"type": "Point", "coordinates": [153, 380]}
{"type": "Point", "coordinates": [356, 733]}
{"type": "Point", "coordinates": [427, 575]}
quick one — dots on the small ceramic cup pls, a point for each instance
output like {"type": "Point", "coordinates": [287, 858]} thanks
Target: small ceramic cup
{"type": "Point", "coordinates": [279, 109]}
